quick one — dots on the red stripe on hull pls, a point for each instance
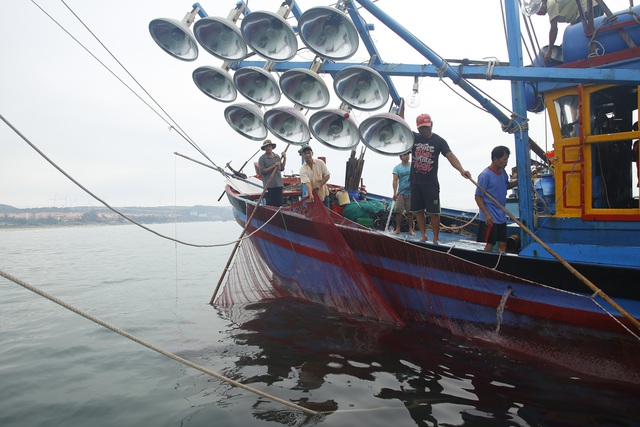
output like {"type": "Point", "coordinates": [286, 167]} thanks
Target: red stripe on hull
{"type": "Point", "coordinates": [385, 247]}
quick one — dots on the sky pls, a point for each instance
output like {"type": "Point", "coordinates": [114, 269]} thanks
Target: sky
{"type": "Point", "coordinates": [73, 109]}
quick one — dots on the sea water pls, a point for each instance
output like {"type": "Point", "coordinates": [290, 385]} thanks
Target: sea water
{"type": "Point", "coordinates": [57, 368]}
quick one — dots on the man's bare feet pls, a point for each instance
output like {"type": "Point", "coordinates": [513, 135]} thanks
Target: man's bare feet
{"type": "Point", "coordinates": [423, 239]}
{"type": "Point", "coordinates": [396, 231]}
{"type": "Point", "coordinates": [413, 233]}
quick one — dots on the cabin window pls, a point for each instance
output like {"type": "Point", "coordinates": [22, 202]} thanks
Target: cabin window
{"type": "Point", "coordinates": [613, 111]}
{"type": "Point", "coordinates": [568, 115]}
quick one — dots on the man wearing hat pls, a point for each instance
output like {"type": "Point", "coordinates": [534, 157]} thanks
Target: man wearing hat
{"type": "Point", "coordinates": [425, 188]}
{"type": "Point", "coordinates": [270, 166]}
{"type": "Point", "coordinates": [314, 174]}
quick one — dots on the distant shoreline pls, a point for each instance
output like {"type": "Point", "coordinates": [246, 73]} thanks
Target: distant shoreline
{"type": "Point", "coordinates": [4, 227]}
{"type": "Point", "coordinates": [16, 218]}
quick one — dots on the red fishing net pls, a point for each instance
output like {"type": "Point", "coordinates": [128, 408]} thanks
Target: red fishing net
{"type": "Point", "coordinates": [300, 252]}
{"type": "Point", "coordinates": [249, 279]}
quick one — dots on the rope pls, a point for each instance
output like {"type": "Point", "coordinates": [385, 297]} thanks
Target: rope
{"type": "Point", "coordinates": [441, 70]}
{"type": "Point", "coordinates": [457, 227]}
{"type": "Point", "coordinates": [495, 267]}
{"type": "Point", "coordinates": [149, 345]}
{"type": "Point", "coordinates": [621, 31]}
{"type": "Point", "coordinates": [491, 64]}
{"type": "Point", "coordinates": [520, 126]}
{"type": "Point", "coordinates": [86, 190]}
{"type": "Point", "coordinates": [171, 122]}
{"type": "Point", "coordinates": [393, 203]}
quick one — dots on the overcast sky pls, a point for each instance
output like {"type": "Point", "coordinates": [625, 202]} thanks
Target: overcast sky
{"type": "Point", "coordinates": [75, 111]}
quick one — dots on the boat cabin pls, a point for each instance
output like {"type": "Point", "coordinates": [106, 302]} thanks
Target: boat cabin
{"type": "Point", "coordinates": [594, 167]}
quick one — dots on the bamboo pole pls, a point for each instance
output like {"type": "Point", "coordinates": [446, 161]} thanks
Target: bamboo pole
{"type": "Point", "coordinates": [201, 163]}
{"type": "Point", "coordinates": [254, 154]}
{"type": "Point", "coordinates": [569, 267]}
{"type": "Point", "coordinates": [244, 231]}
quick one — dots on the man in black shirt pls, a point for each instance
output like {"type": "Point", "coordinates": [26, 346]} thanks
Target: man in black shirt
{"type": "Point", "coordinates": [425, 188]}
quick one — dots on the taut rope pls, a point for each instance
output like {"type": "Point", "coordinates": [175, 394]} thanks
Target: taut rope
{"type": "Point", "coordinates": [149, 345]}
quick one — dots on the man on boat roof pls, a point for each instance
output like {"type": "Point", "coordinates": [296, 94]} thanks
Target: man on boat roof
{"type": "Point", "coordinates": [565, 11]}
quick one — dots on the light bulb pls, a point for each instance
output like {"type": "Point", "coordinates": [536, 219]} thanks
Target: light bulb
{"type": "Point", "coordinates": [414, 100]}
{"type": "Point", "coordinates": [386, 133]}
{"type": "Point", "coordinates": [177, 34]}
{"type": "Point", "coordinates": [247, 121]}
{"type": "Point", "coordinates": [260, 82]}
{"type": "Point", "coordinates": [331, 27]}
{"type": "Point", "coordinates": [288, 126]}
{"type": "Point", "coordinates": [336, 126]}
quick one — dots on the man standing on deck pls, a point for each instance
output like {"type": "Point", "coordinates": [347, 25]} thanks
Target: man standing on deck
{"type": "Point", "coordinates": [402, 192]}
{"type": "Point", "coordinates": [314, 174]}
{"type": "Point", "coordinates": [425, 188]}
{"type": "Point", "coordinates": [495, 181]}
{"type": "Point", "coordinates": [271, 165]}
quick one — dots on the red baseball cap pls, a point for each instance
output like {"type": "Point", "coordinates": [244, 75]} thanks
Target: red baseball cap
{"type": "Point", "coordinates": [423, 120]}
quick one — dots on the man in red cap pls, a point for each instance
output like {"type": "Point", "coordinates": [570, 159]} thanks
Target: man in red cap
{"type": "Point", "coordinates": [425, 188]}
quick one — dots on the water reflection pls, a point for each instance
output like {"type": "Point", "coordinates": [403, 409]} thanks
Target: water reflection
{"type": "Point", "coordinates": [364, 372]}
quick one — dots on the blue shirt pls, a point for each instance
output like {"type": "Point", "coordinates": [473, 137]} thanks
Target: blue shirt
{"type": "Point", "coordinates": [496, 184]}
{"type": "Point", "coordinates": [403, 172]}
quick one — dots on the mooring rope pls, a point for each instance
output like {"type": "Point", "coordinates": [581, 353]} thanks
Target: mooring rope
{"type": "Point", "coordinates": [457, 227]}
{"type": "Point", "coordinates": [173, 125]}
{"type": "Point", "coordinates": [149, 345]}
{"type": "Point", "coordinates": [104, 203]}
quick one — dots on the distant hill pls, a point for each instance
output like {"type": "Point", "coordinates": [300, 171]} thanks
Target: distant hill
{"type": "Point", "coordinates": [8, 209]}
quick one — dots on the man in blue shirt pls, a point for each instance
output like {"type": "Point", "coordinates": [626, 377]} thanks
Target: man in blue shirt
{"type": "Point", "coordinates": [495, 181]}
{"type": "Point", "coordinates": [402, 192]}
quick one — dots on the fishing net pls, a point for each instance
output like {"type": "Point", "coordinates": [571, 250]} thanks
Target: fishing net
{"type": "Point", "coordinates": [302, 254]}
{"type": "Point", "coordinates": [249, 279]}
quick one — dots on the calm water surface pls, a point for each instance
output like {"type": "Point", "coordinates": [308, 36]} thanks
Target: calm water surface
{"type": "Point", "coordinates": [57, 368]}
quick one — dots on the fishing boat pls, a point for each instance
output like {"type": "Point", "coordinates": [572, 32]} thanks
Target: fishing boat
{"type": "Point", "coordinates": [567, 289]}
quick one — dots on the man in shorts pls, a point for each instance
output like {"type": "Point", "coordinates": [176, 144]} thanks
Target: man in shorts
{"type": "Point", "coordinates": [495, 181]}
{"type": "Point", "coordinates": [402, 192]}
{"type": "Point", "coordinates": [425, 188]}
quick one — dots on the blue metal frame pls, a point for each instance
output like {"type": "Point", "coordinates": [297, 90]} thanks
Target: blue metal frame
{"type": "Point", "coordinates": [523, 146]}
{"type": "Point", "coordinates": [439, 67]}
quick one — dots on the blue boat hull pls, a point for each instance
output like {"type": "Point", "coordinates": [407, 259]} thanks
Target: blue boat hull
{"type": "Point", "coordinates": [427, 284]}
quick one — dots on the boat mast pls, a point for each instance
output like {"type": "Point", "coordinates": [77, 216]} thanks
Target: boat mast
{"type": "Point", "coordinates": [518, 105]}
